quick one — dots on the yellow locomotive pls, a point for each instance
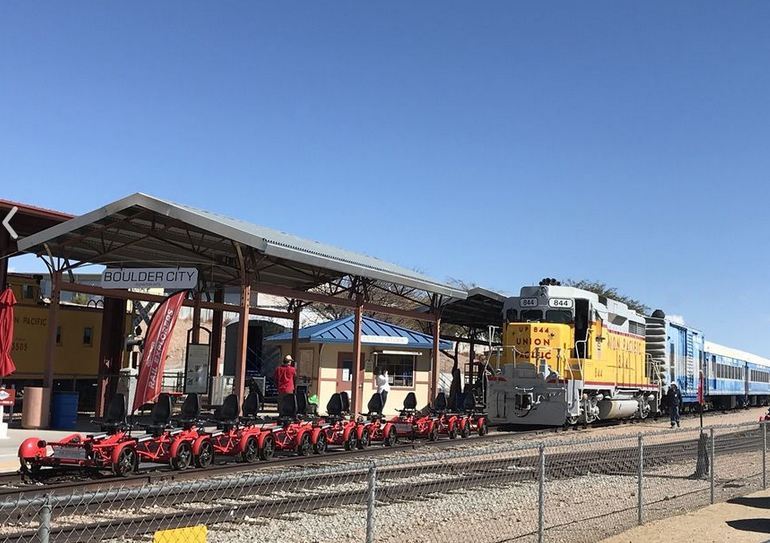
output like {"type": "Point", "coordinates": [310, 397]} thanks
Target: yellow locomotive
{"type": "Point", "coordinates": [570, 356]}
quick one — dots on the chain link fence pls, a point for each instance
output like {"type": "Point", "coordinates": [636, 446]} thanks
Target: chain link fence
{"type": "Point", "coordinates": [558, 489]}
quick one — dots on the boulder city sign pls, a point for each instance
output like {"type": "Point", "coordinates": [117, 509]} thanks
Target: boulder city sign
{"type": "Point", "coordinates": [169, 278]}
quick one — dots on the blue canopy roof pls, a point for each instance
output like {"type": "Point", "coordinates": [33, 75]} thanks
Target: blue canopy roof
{"type": "Point", "coordinates": [373, 332]}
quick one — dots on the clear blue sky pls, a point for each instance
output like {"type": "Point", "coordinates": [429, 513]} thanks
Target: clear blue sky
{"type": "Point", "coordinates": [497, 142]}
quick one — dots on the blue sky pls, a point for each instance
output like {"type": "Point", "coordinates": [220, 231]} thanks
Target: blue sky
{"type": "Point", "coordinates": [497, 143]}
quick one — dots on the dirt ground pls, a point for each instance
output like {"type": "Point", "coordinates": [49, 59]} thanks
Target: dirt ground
{"type": "Point", "coordinates": [740, 520]}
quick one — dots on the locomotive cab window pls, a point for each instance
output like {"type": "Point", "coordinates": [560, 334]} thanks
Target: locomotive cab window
{"type": "Point", "coordinates": [558, 316]}
{"type": "Point", "coordinates": [531, 315]}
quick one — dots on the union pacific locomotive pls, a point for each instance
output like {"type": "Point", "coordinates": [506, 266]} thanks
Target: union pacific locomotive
{"type": "Point", "coordinates": [571, 356]}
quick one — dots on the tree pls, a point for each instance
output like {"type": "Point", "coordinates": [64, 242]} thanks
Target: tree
{"type": "Point", "coordinates": [602, 289]}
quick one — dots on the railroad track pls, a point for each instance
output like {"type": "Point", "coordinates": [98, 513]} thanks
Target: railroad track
{"type": "Point", "coordinates": [255, 495]}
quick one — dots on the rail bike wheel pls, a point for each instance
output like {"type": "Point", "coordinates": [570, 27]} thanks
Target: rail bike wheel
{"type": "Point", "coordinates": [483, 429]}
{"type": "Point", "coordinates": [452, 432]}
{"type": "Point", "coordinates": [319, 447]}
{"type": "Point", "coordinates": [304, 446]}
{"type": "Point", "coordinates": [250, 452]}
{"type": "Point", "coordinates": [30, 470]}
{"type": "Point", "coordinates": [433, 434]}
{"type": "Point", "coordinates": [205, 454]}
{"type": "Point", "coordinates": [126, 462]}
{"type": "Point", "coordinates": [391, 437]}
{"type": "Point", "coordinates": [465, 431]}
{"type": "Point", "coordinates": [183, 458]}
{"type": "Point", "coordinates": [365, 440]}
{"type": "Point", "coordinates": [267, 451]}
{"type": "Point", "coordinates": [351, 442]}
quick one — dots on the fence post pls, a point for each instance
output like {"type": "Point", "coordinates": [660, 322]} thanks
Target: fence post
{"type": "Point", "coordinates": [370, 500]}
{"type": "Point", "coordinates": [44, 527]}
{"type": "Point", "coordinates": [713, 465]}
{"type": "Point", "coordinates": [541, 497]}
{"type": "Point", "coordinates": [764, 455]}
{"type": "Point", "coordinates": [639, 476]}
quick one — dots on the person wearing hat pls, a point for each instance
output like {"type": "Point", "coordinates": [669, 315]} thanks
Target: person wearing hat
{"type": "Point", "coordinates": [285, 377]}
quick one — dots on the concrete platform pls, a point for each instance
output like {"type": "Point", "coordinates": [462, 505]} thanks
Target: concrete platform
{"type": "Point", "coordinates": [739, 520]}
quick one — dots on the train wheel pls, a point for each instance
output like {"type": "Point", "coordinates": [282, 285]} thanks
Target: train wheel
{"type": "Point", "coordinates": [183, 458]}
{"type": "Point", "coordinates": [268, 448]}
{"type": "Point", "coordinates": [364, 442]}
{"type": "Point", "coordinates": [250, 452]}
{"type": "Point", "coordinates": [305, 445]}
{"type": "Point", "coordinates": [126, 462]}
{"type": "Point", "coordinates": [320, 445]}
{"type": "Point", "coordinates": [483, 429]}
{"type": "Point", "coordinates": [205, 454]}
{"type": "Point", "coordinates": [466, 430]}
{"type": "Point", "coordinates": [30, 470]}
{"type": "Point", "coordinates": [391, 438]}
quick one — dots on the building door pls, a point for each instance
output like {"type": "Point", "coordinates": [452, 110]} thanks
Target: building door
{"type": "Point", "coordinates": [345, 372]}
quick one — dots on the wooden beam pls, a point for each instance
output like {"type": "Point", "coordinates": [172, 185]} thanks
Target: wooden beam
{"type": "Point", "coordinates": [242, 346]}
{"type": "Point", "coordinates": [436, 358]}
{"type": "Point", "coordinates": [417, 315]}
{"type": "Point", "coordinates": [295, 337]}
{"type": "Point", "coordinates": [216, 338]}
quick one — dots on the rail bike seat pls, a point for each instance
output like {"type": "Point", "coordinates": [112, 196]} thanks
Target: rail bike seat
{"type": "Point", "coordinates": [191, 411]}
{"type": "Point", "coordinates": [410, 404]}
{"type": "Point", "coordinates": [374, 406]}
{"type": "Point", "coordinates": [287, 409]}
{"type": "Point", "coordinates": [440, 403]}
{"type": "Point", "coordinates": [250, 407]}
{"type": "Point", "coordinates": [227, 415]}
{"type": "Point", "coordinates": [302, 405]}
{"type": "Point", "coordinates": [345, 399]}
{"type": "Point", "coordinates": [160, 416]}
{"type": "Point", "coordinates": [334, 408]}
{"type": "Point", "coordinates": [116, 415]}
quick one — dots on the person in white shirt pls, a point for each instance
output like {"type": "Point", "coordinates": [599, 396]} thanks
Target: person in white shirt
{"type": "Point", "coordinates": [383, 384]}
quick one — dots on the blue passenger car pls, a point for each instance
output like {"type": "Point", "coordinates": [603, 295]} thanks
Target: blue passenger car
{"type": "Point", "coordinates": [684, 353]}
{"type": "Point", "coordinates": [735, 378]}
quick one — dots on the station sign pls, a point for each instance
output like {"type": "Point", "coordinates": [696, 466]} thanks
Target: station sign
{"type": "Point", "coordinates": [167, 278]}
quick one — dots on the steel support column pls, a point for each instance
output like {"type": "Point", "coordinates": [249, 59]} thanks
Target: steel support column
{"type": "Point", "coordinates": [196, 317]}
{"type": "Point", "coordinates": [357, 385]}
{"type": "Point", "coordinates": [216, 337]}
{"type": "Point", "coordinates": [243, 336]}
{"type": "Point", "coordinates": [295, 337]}
{"type": "Point", "coordinates": [50, 348]}
{"type": "Point", "coordinates": [111, 347]}
{"type": "Point", "coordinates": [436, 357]}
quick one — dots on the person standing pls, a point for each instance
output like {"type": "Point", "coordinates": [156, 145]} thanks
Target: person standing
{"type": "Point", "coordinates": [285, 377]}
{"type": "Point", "coordinates": [674, 397]}
{"type": "Point", "coordinates": [383, 385]}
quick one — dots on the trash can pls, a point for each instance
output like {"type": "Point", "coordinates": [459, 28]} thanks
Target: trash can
{"type": "Point", "coordinates": [34, 412]}
{"type": "Point", "coordinates": [64, 410]}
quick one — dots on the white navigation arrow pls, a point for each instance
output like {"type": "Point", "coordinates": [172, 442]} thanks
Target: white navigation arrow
{"type": "Point", "coordinates": [7, 222]}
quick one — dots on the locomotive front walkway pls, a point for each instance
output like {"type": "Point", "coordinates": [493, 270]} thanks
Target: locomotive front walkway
{"type": "Point", "coordinates": [740, 520]}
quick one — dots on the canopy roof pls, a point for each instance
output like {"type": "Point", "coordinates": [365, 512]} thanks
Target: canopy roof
{"type": "Point", "coordinates": [373, 332]}
{"type": "Point", "coordinates": [141, 230]}
{"type": "Point", "coordinates": [480, 309]}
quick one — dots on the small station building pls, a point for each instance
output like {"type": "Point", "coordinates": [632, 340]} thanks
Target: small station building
{"type": "Point", "coordinates": [324, 359]}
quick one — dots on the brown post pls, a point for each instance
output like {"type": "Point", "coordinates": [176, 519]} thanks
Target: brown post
{"type": "Point", "coordinates": [5, 245]}
{"type": "Point", "coordinates": [53, 324]}
{"type": "Point", "coordinates": [295, 337]}
{"type": "Point", "coordinates": [357, 384]}
{"type": "Point", "coordinates": [434, 370]}
{"type": "Point", "coordinates": [110, 351]}
{"type": "Point", "coordinates": [471, 357]}
{"type": "Point", "coordinates": [243, 337]}
{"type": "Point", "coordinates": [216, 337]}
{"type": "Point", "coordinates": [196, 318]}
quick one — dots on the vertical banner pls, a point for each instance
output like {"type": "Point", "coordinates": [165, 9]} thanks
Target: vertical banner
{"type": "Point", "coordinates": [155, 346]}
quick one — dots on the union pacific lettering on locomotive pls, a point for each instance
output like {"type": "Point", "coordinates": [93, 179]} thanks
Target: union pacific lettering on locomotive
{"type": "Point", "coordinates": [569, 357]}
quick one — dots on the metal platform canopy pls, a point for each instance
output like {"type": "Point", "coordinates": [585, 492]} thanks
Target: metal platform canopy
{"type": "Point", "coordinates": [479, 310]}
{"type": "Point", "coordinates": [25, 221]}
{"type": "Point", "coordinates": [144, 231]}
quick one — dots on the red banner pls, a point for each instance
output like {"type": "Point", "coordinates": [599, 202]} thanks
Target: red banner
{"type": "Point", "coordinates": [155, 346]}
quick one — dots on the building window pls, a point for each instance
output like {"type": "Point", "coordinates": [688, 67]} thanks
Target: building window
{"type": "Point", "coordinates": [28, 292]}
{"type": "Point", "coordinates": [58, 335]}
{"type": "Point", "coordinates": [400, 368]}
{"type": "Point", "coordinates": [88, 336]}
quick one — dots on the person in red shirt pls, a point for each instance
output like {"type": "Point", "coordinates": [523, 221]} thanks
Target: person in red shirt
{"type": "Point", "coordinates": [285, 376]}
